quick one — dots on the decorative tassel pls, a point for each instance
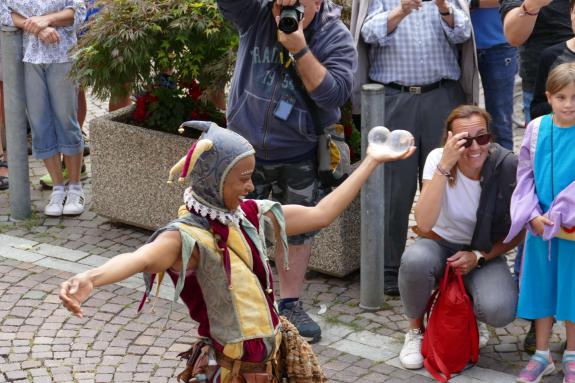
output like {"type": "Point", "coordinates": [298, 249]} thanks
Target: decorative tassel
{"type": "Point", "coordinates": [160, 279]}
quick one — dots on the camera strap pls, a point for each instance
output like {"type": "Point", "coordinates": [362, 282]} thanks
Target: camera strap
{"type": "Point", "coordinates": [298, 84]}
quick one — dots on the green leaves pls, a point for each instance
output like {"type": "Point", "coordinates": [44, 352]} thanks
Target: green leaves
{"type": "Point", "coordinates": [130, 42]}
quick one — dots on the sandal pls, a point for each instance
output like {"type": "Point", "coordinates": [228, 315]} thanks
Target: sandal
{"type": "Point", "coordinates": [3, 164]}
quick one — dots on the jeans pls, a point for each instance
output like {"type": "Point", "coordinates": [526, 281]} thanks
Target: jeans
{"type": "Point", "coordinates": [498, 66]}
{"type": "Point", "coordinates": [52, 104]}
{"type": "Point", "coordinates": [527, 98]}
{"type": "Point", "coordinates": [491, 287]}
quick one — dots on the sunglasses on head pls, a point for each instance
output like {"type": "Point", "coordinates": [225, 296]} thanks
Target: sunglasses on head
{"type": "Point", "coordinates": [482, 139]}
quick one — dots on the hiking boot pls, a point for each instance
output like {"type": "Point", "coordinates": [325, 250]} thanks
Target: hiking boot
{"type": "Point", "coordinates": [74, 202]}
{"type": "Point", "coordinates": [537, 367]}
{"type": "Point", "coordinates": [484, 334]}
{"type": "Point", "coordinates": [410, 355]}
{"type": "Point", "coordinates": [529, 341]}
{"type": "Point", "coordinates": [55, 206]}
{"type": "Point", "coordinates": [307, 328]}
{"type": "Point", "coordinates": [47, 183]}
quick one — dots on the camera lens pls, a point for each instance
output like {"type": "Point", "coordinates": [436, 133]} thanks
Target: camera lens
{"type": "Point", "coordinates": [288, 20]}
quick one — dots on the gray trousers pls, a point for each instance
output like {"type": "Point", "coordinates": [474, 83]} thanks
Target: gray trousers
{"type": "Point", "coordinates": [424, 116]}
{"type": "Point", "coordinates": [492, 288]}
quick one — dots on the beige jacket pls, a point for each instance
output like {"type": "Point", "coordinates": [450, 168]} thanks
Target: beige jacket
{"type": "Point", "coordinates": [467, 58]}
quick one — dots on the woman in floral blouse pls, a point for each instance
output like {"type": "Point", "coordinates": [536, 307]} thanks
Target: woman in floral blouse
{"type": "Point", "coordinates": [50, 28]}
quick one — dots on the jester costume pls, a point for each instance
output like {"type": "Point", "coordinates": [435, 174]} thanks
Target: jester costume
{"type": "Point", "coordinates": [230, 293]}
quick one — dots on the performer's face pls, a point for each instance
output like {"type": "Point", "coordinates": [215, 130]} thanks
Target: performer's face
{"type": "Point", "coordinates": [238, 183]}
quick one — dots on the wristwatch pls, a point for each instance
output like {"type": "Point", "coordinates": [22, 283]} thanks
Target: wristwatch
{"type": "Point", "coordinates": [480, 258]}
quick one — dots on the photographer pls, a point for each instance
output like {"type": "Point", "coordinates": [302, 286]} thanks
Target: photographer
{"type": "Point", "coordinates": [268, 109]}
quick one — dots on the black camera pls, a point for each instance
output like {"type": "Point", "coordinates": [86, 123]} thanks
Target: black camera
{"type": "Point", "coordinates": [290, 18]}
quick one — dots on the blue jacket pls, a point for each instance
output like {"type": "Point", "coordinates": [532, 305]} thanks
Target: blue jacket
{"type": "Point", "coordinates": [259, 82]}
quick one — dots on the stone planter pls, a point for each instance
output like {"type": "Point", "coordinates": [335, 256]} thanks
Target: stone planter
{"type": "Point", "coordinates": [129, 171]}
{"type": "Point", "coordinates": [130, 167]}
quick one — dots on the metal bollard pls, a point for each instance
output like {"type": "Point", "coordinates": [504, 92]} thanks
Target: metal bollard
{"type": "Point", "coordinates": [372, 206]}
{"type": "Point", "coordinates": [16, 123]}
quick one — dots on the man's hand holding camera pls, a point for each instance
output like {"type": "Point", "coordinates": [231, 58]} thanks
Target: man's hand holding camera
{"type": "Point", "coordinates": [291, 25]}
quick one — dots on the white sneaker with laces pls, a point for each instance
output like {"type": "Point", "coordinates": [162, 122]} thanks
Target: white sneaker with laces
{"type": "Point", "coordinates": [484, 334]}
{"type": "Point", "coordinates": [74, 202]}
{"type": "Point", "coordinates": [55, 206]}
{"type": "Point", "coordinates": [410, 356]}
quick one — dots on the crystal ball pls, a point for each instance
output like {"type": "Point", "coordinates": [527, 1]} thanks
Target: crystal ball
{"type": "Point", "coordinates": [378, 135]}
{"type": "Point", "coordinates": [400, 140]}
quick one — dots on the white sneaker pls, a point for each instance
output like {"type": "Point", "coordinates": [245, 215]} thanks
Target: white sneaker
{"type": "Point", "coordinates": [55, 206]}
{"type": "Point", "coordinates": [484, 334]}
{"type": "Point", "coordinates": [74, 202]}
{"type": "Point", "coordinates": [410, 356]}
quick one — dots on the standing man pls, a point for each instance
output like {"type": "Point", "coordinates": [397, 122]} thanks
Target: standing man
{"type": "Point", "coordinates": [268, 109]}
{"type": "Point", "coordinates": [534, 25]}
{"type": "Point", "coordinates": [497, 65]}
{"type": "Point", "coordinates": [413, 51]}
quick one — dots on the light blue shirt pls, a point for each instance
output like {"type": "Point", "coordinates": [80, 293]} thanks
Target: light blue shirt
{"type": "Point", "coordinates": [421, 50]}
{"type": "Point", "coordinates": [36, 51]}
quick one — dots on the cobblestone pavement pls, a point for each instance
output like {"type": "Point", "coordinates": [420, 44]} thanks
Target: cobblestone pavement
{"type": "Point", "coordinates": [40, 342]}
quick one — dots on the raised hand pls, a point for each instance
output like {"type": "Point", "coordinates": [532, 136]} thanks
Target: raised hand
{"type": "Point", "coordinates": [74, 292]}
{"type": "Point", "coordinates": [452, 150]}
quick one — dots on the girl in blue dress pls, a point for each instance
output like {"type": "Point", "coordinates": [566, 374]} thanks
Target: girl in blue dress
{"type": "Point", "coordinates": [544, 201]}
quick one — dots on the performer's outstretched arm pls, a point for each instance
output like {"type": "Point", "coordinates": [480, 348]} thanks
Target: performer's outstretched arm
{"type": "Point", "coordinates": [160, 255]}
{"type": "Point", "coordinates": [302, 219]}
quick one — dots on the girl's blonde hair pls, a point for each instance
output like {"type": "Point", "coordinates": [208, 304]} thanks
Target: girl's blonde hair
{"type": "Point", "coordinates": [463, 111]}
{"type": "Point", "coordinates": [560, 77]}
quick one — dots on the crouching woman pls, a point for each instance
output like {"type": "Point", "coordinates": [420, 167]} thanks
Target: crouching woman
{"type": "Point", "coordinates": [462, 218]}
{"type": "Point", "coordinates": [215, 253]}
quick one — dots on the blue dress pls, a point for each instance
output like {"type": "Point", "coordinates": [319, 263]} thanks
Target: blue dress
{"type": "Point", "coordinates": [547, 285]}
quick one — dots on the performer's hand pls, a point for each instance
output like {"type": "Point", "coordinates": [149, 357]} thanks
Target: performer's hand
{"type": "Point", "coordinates": [464, 261]}
{"type": "Point", "coordinates": [74, 292]}
{"type": "Point", "coordinates": [538, 224]}
{"type": "Point", "coordinates": [388, 156]}
{"type": "Point", "coordinates": [408, 6]}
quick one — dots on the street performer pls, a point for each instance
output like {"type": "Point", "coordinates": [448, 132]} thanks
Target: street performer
{"type": "Point", "coordinates": [215, 253]}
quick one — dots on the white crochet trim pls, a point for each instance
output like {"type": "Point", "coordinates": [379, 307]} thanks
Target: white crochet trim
{"type": "Point", "coordinates": [223, 216]}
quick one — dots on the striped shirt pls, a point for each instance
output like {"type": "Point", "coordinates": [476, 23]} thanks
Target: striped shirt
{"type": "Point", "coordinates": [421, 50]}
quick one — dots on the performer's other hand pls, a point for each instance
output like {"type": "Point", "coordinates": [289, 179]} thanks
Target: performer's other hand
{"type": "Point", "coordinates": [382, 156]}
{"type": "Point", "coordinates": [74, 292]}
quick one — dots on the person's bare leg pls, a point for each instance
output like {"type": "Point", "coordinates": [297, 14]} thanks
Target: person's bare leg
{"type": "Point", "coordinates": [119, 102]}
{"type": "Point", "coordinates": [82, 107]}
{"type": "Point", "coordinates": [570, 327]}
{"type": "Point", "coordinates": [73, 164]}
{"type": "Point", "coordinates": [291, 281]}
{"type": "Point", "coordinates": [543, 328]}
{"type": "Point", "coordinates": [54, 167]}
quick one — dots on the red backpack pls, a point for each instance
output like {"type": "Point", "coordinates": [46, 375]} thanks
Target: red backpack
{"type": "Point", "coordinates": [451, 339]}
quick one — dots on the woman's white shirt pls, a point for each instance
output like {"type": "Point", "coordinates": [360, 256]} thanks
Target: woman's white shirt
{"type": "Point", "coordinates": [458, 214]}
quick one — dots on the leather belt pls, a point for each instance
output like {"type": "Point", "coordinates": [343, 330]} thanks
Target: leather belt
{"type": "Point", "coordinates": [237, 366]}
{"type": "Point", "coordinates": [416, 89]}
